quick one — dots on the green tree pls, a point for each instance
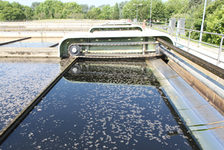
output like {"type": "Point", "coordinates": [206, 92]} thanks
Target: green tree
{"type": "Point", "coordinates": [11, 14]}
{"type": "Point", "coordinates": [129, 10]}
{"type": "Point", "coordinates": [175, 6]}
{"type": "Point", "coordinates": [141, 9]}
{"type": "Point", "coordinates": [194, 3]}
{"type": "Point", "coordinates": [4, 6]}
{"type": "Point", "coordinates": [28, 12]}
{"type": "Point", "coordinates": [214, 5]}
{"type": "Point", "coordinates": [106, 12]}
{"type": "Point", "coordinates": [115, 12]}
{"type": "Point", "coordinates": [91, 7]}
{"type": "Point", "coordinates": [71, 10]}
{"type": "Point", "coordinates": [34, 5]}
{"type": "Point", "coordinates": [158, 11]}
{"type": "Point", "coordinates": [50, 9]}
{"type": "Point", "coordinates": [94, 13]}
{"type": "Point", "coordinates": [85, 8]}
{"type": "Point", "coordinates": [215, 24]}
{"type": "Point", "coordinates": [16, 5]}
{"type": "Point", "coordinates": [14, 11]}
{"type": "Point", "coordinates": [121, 6]}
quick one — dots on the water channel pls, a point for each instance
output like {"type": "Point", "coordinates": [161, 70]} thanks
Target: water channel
{"type": "Point", "coordinates": [103, 105]}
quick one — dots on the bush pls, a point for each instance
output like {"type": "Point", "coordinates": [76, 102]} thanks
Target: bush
{"type": "Point", "coordinates": [215, 24]}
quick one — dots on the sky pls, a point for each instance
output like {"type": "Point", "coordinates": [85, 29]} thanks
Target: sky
{"type": "Point", "coordinates": [89, 2]}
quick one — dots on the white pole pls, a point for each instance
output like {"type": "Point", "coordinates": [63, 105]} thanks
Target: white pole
{"type": "Point", "coordinates": [202, 24]}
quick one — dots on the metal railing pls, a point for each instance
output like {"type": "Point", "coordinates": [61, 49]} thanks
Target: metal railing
{"type": "Point", "coordinates": [176, 33]}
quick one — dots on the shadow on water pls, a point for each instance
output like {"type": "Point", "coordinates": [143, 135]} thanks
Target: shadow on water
{"type": "Point", "coordinates": [103, 105]}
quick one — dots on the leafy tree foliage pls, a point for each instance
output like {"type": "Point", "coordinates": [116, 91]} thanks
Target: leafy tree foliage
{"type": "Point", "coordinates": [50, 9]}
{"type": "Point", "coordinates": [213, 19]}
{"type": "Point", "coordinates": [141, 9]}
{"type": "Point", "coordinates": [55, 9]}
{"type": "Point", "coordinates": [71, 10]}
{"type": "Point", "coordinates": [3, 9]}
{"type": "Point", "coordinates": [115, 12]}
{"type": "Point", "coordinates": [135, 9]}
{"type": "Point", "coordinates": [14, 11]}
{"type": "Point", "coordinates": [175, 6]}
{"type": "Point", "coordinates": [94, 13]}
{"type": "Point", "coordinates": [28, 12]}
{"type": "Point", "coordinates": [34, 5]}
{"type": "Point", "coordinates": [159, 13]}
{"type": "Point", "coordinates": [106, 12]}
{"type": "Point", "coordinates": [129, 10]}
{"type": "Point", "coordinates": [215, 22]}
{"type": "Point", "coordinates": [193, 3]}
{"type": "Point", "coordinates": [85, 8]}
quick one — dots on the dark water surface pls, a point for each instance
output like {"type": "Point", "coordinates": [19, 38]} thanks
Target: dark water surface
{"type": "Point", "coordinates": [102, 106]}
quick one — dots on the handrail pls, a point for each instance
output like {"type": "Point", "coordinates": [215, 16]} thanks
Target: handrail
{"type": "Point", "coordinates": [177, 35]}
{"type": "Point", "coordinates": [208, 66]}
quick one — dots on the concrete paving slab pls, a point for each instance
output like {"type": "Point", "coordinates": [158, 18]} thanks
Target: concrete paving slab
{"type": "Point", "coordinates": [28, 52]}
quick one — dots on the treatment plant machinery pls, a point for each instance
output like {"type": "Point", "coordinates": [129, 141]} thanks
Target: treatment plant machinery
{"type": "Point", "coordinates": [123, 87]}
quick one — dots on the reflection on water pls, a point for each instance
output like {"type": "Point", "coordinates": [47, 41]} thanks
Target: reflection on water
{"type": "Point", "coordinates": [77, 114]}
{"type": "Point", "coordinates": [112, 72]}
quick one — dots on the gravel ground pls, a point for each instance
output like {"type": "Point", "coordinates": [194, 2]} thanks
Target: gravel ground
{"type": "Point", "coordinates": [20, 83]}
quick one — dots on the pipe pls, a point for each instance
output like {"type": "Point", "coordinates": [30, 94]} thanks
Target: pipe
{"type": "Point", "coordinates": [201, 62]}
{"type": "Point", "coordinates": [14, 41]}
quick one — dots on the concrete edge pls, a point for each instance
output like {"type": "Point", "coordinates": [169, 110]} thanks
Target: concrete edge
{"type": "Point", "coordinates": [188, 112]}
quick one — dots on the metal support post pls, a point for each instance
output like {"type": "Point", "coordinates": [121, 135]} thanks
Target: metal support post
{"type": "Point", "coordinates": [220, 51]}
{"type": "Point", "coordinates": [202, 23]}
{"type": "Point", "coordinates": [177, 36]}
{"type": "Point", "coordinates": [189, 40]}
{"type": "Point", "coordinates": [143, 49]}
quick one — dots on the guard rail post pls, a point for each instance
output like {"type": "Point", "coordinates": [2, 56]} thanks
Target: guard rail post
{"type": "Point", "coordinates": [189, 40]}
{"type": "Point", "coordinates": [176, 35]}
{"type": "Point", "coordinates": [220, 50]}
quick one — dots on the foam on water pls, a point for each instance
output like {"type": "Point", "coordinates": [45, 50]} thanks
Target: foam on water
{"type": "Point", "coordinates": [92, 115]}
{"type": "Point", "coordinates": [20, 83]}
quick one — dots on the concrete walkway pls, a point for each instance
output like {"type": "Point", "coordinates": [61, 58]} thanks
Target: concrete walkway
{"type": "Point", "coordinates": [37, 52]}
